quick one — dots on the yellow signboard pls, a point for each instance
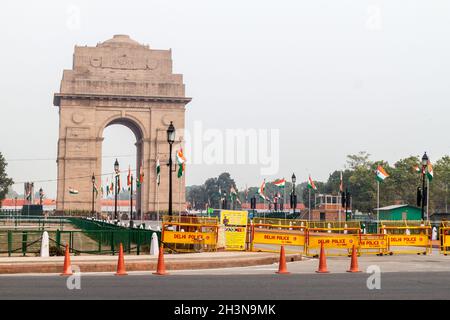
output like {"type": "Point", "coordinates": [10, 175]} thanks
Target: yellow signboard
{"type": "Point", "coordinates": [279, 238]}
{"type": "Point", "coordinates": [373, 242]}
{"type": "Point", "coordinates": [189, 237]}
{"type": "Point", "coordinates": [235, 238]}
{"type": "Point", "coordinates": [233, 218]}
{"type": "Point", "coordinates": [335, 242]}
{"type": "Point", "coordinates": [412, 240]}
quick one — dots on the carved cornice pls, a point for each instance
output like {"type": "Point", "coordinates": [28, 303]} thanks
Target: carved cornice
{"type": "Point", "coordinates": [99, 97]}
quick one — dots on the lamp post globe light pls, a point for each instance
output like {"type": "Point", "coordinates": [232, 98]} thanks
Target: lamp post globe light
{"type": "Point", "coordinates": [425, 161]}
{"type": "Point", "coordinates": [116, 191]}
{"type": "Point", "coordinates": [171, 132]}
{"type": "Point", "coordinates": [93, 195]}
{"type": "Point", "coordinates": [293, 200]}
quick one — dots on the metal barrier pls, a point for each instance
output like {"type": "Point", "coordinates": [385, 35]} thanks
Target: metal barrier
{"type": "Point", "coordinates": [190, 234]}
{"type": "Point", "coordinates": [280, 222]}
{"type": "Point", "coordinates": [269, 237]}
{"type": "Point", "coordinates": [336, 241]}
{"type": "Point", "coordinates": [37, 222]}
{"type": "Point", "coordinates": [376, 244]}
{"type": "Point", "coordinates": [444, 236]}
{"type": "Point", "coordinates": [408, 237]}
{"type": "Point", "coordinates": [28, 242]}
{"type": "Point", "coordinates": [335, 226]}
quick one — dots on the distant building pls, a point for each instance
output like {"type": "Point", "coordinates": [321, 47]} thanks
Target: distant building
{"type": "Point", "coordinates": [328, 208]}
{"type": "Point", "coordinates": [399, 212]}
{"type": "Point", "coordinates": [438, 217]}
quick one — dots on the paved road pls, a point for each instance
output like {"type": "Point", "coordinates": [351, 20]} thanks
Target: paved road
{"type": "Point", "coordinates": [409, 285]}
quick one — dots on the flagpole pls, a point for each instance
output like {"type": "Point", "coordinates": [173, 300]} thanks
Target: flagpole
{"type": "Point", "coordinates": [264, 208]}
{"type": "Point", "coordinates": [131, 197]}
{"type": "Point", "coordinates": [378, 200]}
{"type": "Point", "coordinates": [284, 203]}
{"type": "Point", "coordinates": [341, 190]}
{"type": "Point", "coordinates": [309, 205]}
{"type": "Point", "coordinates": [428, 199]}
{"type": "Point", "coordinates": [157, 202]}
{"type": "Point", "coordinates": [179, 196]}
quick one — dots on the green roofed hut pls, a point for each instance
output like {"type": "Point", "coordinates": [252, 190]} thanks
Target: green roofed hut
{"type": "Point", "coordinates": [399, 212]}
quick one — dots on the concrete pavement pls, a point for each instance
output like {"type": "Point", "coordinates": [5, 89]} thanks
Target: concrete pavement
{"type": "Point", "coordinates": [409, 285]}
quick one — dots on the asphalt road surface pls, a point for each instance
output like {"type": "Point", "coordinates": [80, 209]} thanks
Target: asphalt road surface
{"type": "Point", "coordinates": [410, 285]}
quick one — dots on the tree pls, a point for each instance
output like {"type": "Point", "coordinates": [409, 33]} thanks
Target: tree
{"type": "Point", "coordinates": [5, 181]}
{"type": "Point", "coordinates": [359, 160]}
{"type": "Point", "coordinates": [404, 181]}
{"type": "Point", "coordinates": [198, 197]}
{"type": "Point", "coordinates": [211, 192]}
{"type": "Point", "coordinates": [440, 186]}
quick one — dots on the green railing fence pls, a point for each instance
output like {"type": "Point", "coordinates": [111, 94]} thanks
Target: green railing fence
{"type": "Point", "coordinates": [95, 237]}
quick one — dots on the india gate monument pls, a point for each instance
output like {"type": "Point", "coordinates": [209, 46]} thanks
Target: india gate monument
{"type": "Point", "coordinates": [119, 81]}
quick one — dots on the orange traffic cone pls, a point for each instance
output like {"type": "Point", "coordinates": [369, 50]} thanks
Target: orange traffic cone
{"type": "Point", "coordinates": [121, 263]}
{"type": "Point", "coordinates": [322, 261]}
{"type": "Point", "coordinates": [161, 268]}
{"type": "Point", "coordinates": [67, 271]}
{"type": "Point", "coordinates": [282, 269]}
{"type": "Point", "coordinates": [354, 264]}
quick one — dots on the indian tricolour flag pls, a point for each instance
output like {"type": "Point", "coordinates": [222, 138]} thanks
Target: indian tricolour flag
{"type": "Point", "coordinates": [430, 172]}
{"type": "Point", "coordinates": [381, 174]}
{"type": "Point", "coordinates": [181, 160]}
{"type": "Point", "coordinates": [261, 190]}
{"type": "Point", "coordinates": [73, 191]}
{"type": "Point", "coordinates": [311, 184]}
{"type": "Point", "coordinates": [281, 183]}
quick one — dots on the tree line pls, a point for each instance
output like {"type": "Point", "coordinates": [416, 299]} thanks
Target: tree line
{"type": "Point", "coordinates": [358, 177]}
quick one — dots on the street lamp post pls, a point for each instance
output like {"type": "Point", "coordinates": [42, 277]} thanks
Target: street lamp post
{"type": "Point", "coordinates": [424, 192]}
{"type": "Point", "coordinates": [93, 195]}
{"type": "Point", "coordinates": [294, 200]}
{"type": "Point", "coordinates": [170, 139]}
{"type": "Point", "coordinates": [41, 195]}
{"type": "Point", "coordinates": [131, 201]}
{"type": "Point", "coordinates": [116, 170]}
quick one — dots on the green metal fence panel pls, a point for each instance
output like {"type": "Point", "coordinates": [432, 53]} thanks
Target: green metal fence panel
{"type": "Point", "coordinates": [95, 237]}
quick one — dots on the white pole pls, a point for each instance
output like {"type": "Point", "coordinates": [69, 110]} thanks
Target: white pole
{"type": "Point", "coordinates": [378, 200]}
{"type": "Point", "coordinates": [264, 209]}
{"type": "Point", "coordinates": [428, 199]}
{"type": "Point", "coordinates": [309, 205]}
{"type": "Point", "coordinates": [157, 201]}
{"type": "Point", "coordinates": [284, 204]}
{"type": "Point", "coordinates": [179, 197]}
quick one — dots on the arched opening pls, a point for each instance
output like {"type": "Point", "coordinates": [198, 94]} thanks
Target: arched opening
{"type": "Point", "coordinates": [122, 140]}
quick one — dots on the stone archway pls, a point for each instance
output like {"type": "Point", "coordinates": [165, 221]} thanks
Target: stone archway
{"type": "Point", "coordinates": [117, 82]}
{"type": "Point", "coordinates": [137, 128]}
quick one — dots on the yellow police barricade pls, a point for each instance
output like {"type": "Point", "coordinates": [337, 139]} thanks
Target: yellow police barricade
{"type": "Point", "coordinates": [376, 244]}
{"type": "Point", "coordinates": [444, 237]}
{"type": "Point", "coordinates": [337, 241]}
{"type": "Point", "coordinates": [190, 234]}
{"type": "Point", "coordinates": [407, 237]}
{"type": "Point", "coordinates": [268, 235]}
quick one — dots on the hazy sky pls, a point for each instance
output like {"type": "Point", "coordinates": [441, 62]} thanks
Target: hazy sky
{"type": "Point", "coordinates": [335, 77]}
